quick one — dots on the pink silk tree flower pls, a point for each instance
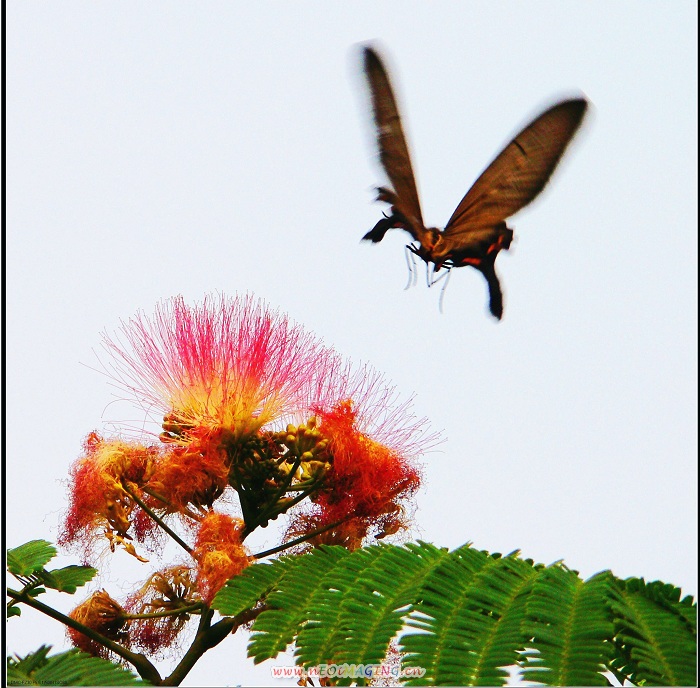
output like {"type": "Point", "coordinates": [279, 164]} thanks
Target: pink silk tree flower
{"type": "Point", "coordinates": [227, 374]}
{"type": "Point", "coordinates": [227, 364]}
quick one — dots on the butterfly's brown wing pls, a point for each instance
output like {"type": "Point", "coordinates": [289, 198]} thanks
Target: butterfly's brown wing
{"type": "Point", "coordinates": [519, 172]}
{"type": "Point", "coordinates": [393, 150]}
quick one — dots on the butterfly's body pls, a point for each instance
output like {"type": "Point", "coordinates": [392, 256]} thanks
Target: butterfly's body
{"type": "Point", "coordinates": [477, 230]}
{"type": "Point", "coordinates": [434, 246]}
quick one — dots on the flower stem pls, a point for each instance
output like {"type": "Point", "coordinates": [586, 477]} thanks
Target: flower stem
{"type": "Point", "coordinates": [189, 609]}
{"type": "Point", "coordinates": [158, 520]}
{"type": "Point", "coordinates": [303, 538]}
{"type": "Point", "coordinates": [207, 637]}
{"type": "Point", "coordinates": [186, 512]}
{"type": "Point", "coordinates": [270, 514]}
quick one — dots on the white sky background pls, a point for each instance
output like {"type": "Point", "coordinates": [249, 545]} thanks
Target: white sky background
{"type": "Point", "coordinates": [163, 148]}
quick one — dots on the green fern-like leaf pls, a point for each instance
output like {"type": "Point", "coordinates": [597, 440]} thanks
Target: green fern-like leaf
{"type": "Point", "coordinates": [30, 557]}
{"type": "Point", "coordinates": [470, 616]}
{"type": "Point", "coordinates": [465, 617]}
{"type": "Point", "coordinates": [247, 589]}
{"type": "Point", "coordinates": [655, 634]}
{"type": "Point", "coordinates": [27, 665]}
{"type": "Point", "coordinates": [275, 629]}
{"type": "Point", "coordinates": [571, 628]}
{"type": "Point", "coordinates": [72, 668]}
{"type": "Point", "coordinates": [68, 579]}
{"type": "Point", "coordinates": [361, 604]}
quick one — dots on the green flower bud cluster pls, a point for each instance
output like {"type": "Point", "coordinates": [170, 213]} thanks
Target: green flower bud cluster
{"type": "Point", "coordinates": [273, 471]}
{"type": "Point", "coordinates": [258, 465]}
{"type": "Point", "coordinates": [306, 445]}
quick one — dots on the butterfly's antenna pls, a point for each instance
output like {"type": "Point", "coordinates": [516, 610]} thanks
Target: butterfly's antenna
{"type": "Point", "coordinates": [411, 263]}
{"type": "Point", "coordinates": [444, 287]}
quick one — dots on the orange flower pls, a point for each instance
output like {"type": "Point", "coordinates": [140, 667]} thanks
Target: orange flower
{"type": "Point", "coordinates": [99, 501]}
{"type": "Point", "coordinates": [219, 553]}
{"type": "Point", "coordinates": [195, 474]}
{"type": "Point", "coordinates": [373, 440]}
{"type": "Point", "coordinates": [349, 534]}
{"type": "Point", "coordinates": [225, 364]}
{"type": "Point", "coordinates": [366, 475]}
{"type": "Point", "coordinates": [102, 614]}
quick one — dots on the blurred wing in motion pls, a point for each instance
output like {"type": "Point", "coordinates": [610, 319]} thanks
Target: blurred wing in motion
{"type": "Point", "coordinates": [393, 153]}
{"type": "Point", "coordinates": [477, 230]}
{"type": "Point", "coordinates": [519, 172]}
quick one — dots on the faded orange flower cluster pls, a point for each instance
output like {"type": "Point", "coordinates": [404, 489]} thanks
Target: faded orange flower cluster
{"type": "Point", "coordinates": [151, 628]}
{"type": "Point", "coordinates": [104, 615]}
{"type": "Point", "coordinates": [252, 406]}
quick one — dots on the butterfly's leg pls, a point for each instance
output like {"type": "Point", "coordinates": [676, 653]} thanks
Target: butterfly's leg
{"type": "Point", "coordinates": [437, 279]}
{"type": "Point", "coordinates": [411, 263]}
{"type": "Point", "coordinates": [444, 286]}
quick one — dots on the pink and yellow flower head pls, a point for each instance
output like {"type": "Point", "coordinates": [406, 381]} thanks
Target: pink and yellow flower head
{"type": "Point", "coordinates": [227, 375]}
{"type": "Point", "coordinates": [226, 364]}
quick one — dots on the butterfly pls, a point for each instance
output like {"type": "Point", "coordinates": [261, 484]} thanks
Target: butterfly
{"type": "Point", "coordinates": [477, 230]}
